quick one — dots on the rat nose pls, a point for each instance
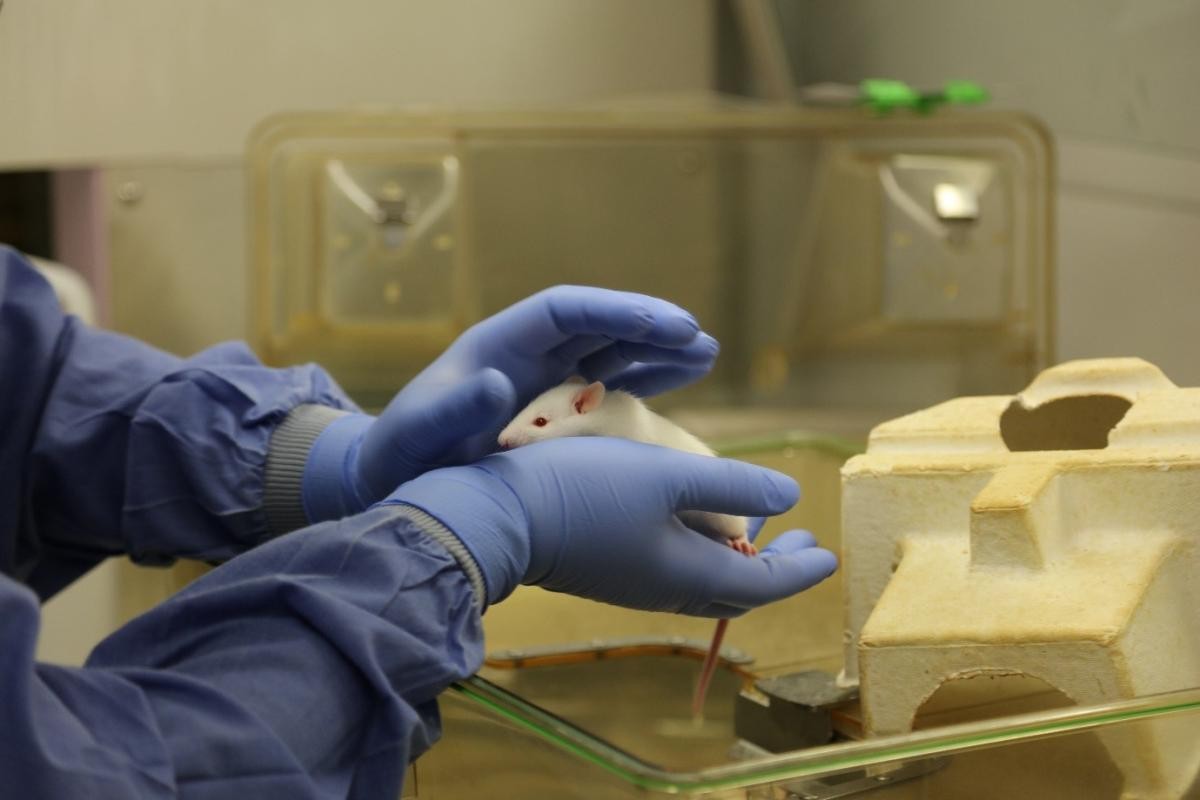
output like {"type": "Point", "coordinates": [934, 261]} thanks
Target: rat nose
{"type": "Point", "coordinates": [505, 444]}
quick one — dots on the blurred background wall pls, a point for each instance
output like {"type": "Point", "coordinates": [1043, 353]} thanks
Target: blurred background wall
{"type": "Point", "coordinates": [147, 106]}
{"type": "Point", "coordinates": [142, 108]}
{"type": "Point", "coordinates": [1116, 81]}
{"type": "Point", "coordinates": [135, 80]}
{"type": "Point", "coordinates": [164, 96]}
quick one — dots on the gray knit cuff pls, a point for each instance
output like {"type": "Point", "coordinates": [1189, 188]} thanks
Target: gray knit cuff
{"type": "Point", "coordinates": [446, 538]}
{"type": "Point", "coordinates": [290, 444]}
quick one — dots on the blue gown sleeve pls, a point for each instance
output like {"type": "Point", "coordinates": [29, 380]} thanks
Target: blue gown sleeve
{"type": "Point", "coordinates": [305, 668]}
{"type": "Point", "coordinates": [111, 446]}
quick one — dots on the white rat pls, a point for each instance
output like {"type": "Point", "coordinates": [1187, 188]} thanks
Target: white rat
{"type": "Point", "coordinates": [577, 408]}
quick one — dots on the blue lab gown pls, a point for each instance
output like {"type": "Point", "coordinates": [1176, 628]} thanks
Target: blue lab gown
{"type": "Point", "coordinates": [307, 666]}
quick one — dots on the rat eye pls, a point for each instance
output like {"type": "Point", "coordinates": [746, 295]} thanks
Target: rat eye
{"type": "Point", "coordinates": [540, 422]}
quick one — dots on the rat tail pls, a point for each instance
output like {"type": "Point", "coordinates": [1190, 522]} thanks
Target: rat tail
{"type": "Point", "coordinates": [710, 667]}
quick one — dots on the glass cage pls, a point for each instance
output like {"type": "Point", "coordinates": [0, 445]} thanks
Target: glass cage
{"type": "Point", "coordinates": [854, 267]}
{"type": "Point", "coordinates": [831, 252]}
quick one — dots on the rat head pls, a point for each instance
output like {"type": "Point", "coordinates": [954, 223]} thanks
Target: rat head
{"type": "Point", "coordinates": [565, 410]}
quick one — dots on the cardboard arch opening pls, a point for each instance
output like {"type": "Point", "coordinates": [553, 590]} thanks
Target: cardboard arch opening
{"type": "Point", "coordinates": [1068, 423]}
{"type": "Point", "coordinates": [1083, 768]}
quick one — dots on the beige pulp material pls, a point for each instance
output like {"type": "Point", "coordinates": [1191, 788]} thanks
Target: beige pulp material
{"type": "Point", "coordinates": [1051, 535]}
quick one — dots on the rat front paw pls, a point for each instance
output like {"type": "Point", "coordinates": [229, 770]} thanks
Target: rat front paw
{"type": "Point", "coordinates": [744, 546]}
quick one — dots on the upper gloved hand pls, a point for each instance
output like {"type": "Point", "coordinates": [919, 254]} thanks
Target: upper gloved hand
{"type": "Point", "coordinates": [453, 410]}
{"type": "Point", "coordinates": [595, 517]}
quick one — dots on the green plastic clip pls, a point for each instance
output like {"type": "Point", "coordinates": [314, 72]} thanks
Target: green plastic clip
{"type": "Point", "coordinates": [884, 96]}
{"type": "Point", "coordinates": [964, 93]}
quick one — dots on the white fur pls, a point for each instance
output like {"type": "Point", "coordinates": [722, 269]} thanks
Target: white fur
{"type": "Point", "coordinates": [618, 414]}
{"type": "Point", "coordinates": [622, 414]}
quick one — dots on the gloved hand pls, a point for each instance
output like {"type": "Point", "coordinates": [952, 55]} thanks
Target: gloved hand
{"type": "Point", "coordinates": [595, 517]}
{"type": "Point", "coordinates": [452, 412]}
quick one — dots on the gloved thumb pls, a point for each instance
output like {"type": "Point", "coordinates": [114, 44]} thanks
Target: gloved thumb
{"type": "Point", "coordinates": [484, 400]}
{"type": "Point", "coordinates": [421, 433]}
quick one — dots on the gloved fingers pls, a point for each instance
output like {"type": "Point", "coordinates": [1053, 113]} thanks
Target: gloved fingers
{"type": "Point", "coordinates": [754, 526]}
{"type": "Point", "coordinates": [790, 542]}
{"type": "Point", "coordinates": [782, 570]}
{"type": "Point", "coordinates": [603, 364]}
{"type": "Point", "coordinates": [552, 317]}
{"type": "Point", "coordinates": [716, 611]}
{"type": "Point", "coordinates": [647, 380]}
{"type": "Point", "coordinates": [703, 483]}
{"type": "Point", "coordinates": [577, 348]}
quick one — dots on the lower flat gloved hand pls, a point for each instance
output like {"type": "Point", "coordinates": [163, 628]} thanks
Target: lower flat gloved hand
{"type": "Point", "coordinates": [595, 517]}
{"type": "Point", "coordinates": [452, 412]}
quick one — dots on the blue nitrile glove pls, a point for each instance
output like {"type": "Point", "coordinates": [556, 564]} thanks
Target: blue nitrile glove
{"type": "Point", "coordinates": [595, 517]}
{"type": "Point", "coordinates": [452, 412]}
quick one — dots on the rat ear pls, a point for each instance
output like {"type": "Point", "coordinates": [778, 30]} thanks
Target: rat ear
{"type": "Point", "coordinates": [576, 380]}
{"type": "Point", "coordinates": [588, 398]}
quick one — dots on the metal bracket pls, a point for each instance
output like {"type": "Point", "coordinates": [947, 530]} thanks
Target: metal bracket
{"type": "Point", "coordinates": [789, 712]}
{"type": "Point", "coordinates": [846, 784]}
{"type": "Point", "coordinates": [860, 781]}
